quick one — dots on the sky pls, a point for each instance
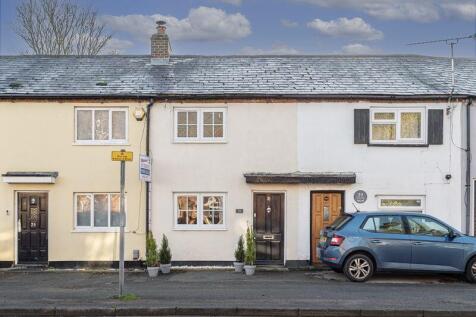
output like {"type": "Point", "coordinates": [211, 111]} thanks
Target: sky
{"type": "Point", "coordinates": [250, 27]}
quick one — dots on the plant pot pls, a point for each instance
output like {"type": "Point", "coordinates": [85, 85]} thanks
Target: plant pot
{"type": "Point", "coordinates": [238, 266]}
{"type": "Point", "coordinates": [153, 271]}
{"type": "Point", "coordinates": [250, 269]}
{"type": "Point", "coordinates": [165, 268]}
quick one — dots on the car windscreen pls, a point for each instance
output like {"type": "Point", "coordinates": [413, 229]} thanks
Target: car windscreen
{"type": "Point", "coordinates": [340, 222]}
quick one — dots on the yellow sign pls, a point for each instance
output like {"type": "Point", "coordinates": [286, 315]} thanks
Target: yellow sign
{"type": "Point", "coordinates": [121, 156]}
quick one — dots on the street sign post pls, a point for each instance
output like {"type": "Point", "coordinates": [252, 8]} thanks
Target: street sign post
{"type": "Point", "coordinates": [123, 157]}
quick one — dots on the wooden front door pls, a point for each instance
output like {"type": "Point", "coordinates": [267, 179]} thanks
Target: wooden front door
{"type": "Point", "coordinates": [325, 208]}
{"type": "Point", "coordinates": [269, 227]}
{"type": "Point", "coordinates": [33, 227]}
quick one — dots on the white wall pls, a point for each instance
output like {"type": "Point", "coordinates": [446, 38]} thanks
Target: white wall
{"type": "Point", "coordinates": [306, 137]}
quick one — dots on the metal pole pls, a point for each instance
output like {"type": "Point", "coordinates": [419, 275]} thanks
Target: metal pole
{"type": "Point", "coordinates": [122, 224]}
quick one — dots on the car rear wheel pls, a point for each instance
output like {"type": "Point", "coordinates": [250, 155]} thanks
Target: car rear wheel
{"type": "Point", "coordinates": [471, 271]}
{"type": "Point", "coordinates": [358, 268]}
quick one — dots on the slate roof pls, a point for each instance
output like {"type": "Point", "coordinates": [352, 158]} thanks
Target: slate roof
{"type": "Point", "coordinates": [239, 76]}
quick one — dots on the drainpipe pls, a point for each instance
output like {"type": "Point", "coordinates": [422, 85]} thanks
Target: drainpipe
{"type": "Point", "coordinates": [147, 152]}
{"type": "Point", "coordinates": [468, 166]}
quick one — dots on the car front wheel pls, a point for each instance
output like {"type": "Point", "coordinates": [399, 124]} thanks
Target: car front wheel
{"type": "Point", "coordinates": [358, 268]}
{"type": "Point", "coordinates": [471, 271]}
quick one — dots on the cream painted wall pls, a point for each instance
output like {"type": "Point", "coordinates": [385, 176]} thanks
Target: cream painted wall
{"type": "Point", "coordinates": [39, 136]}
{"type": "Point", "coordinates": [261, 138]}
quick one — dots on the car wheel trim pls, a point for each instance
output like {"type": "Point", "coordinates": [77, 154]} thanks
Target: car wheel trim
{"type": "Point", "coordinates": [359, 268]}
{"type": "Point", "coordinates": [473, 269]}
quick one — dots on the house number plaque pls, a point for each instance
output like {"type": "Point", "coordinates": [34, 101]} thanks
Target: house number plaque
{"type": "Point", "coordinates": [360, 196]}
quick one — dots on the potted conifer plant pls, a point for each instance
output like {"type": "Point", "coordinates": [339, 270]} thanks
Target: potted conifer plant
{"type": "Point", "coordinates": [239, 256]}
{"type": "Point", "coordinates": [250, 253]}
{"type": "Point", "coordinates": [151, 256]}
{"type": "Point", "coordinates": [165, 256]}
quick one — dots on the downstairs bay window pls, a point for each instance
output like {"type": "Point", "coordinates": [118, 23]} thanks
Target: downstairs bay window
{"type": "Point", "coordinates": [205, 211]}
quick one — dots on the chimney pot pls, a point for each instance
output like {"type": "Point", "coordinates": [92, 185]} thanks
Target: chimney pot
{"type": "Point", "coordinates": [160, 45]}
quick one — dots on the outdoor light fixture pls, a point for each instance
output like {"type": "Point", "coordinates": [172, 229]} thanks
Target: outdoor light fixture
{"type": "Point", "coordinates": [139, 113]}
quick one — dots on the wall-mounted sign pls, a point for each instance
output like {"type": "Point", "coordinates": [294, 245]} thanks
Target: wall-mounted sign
{"type": "Point", "coordinates": [360, 196]}
{"type": "Point", "coordinates": [145, 170]}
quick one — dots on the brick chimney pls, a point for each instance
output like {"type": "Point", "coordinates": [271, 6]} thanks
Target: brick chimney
{"type": "Point", "coordinates": [160, 45]}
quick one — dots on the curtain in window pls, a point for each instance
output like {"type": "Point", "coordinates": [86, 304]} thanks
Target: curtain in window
{"type": "Point", "coordinates": [410, 125]}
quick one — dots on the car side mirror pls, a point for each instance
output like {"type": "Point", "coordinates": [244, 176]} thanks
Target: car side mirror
{"type": "Point", "coordinates": [452, 235]}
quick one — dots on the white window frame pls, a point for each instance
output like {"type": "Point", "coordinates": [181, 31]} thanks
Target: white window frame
{"type": "Point", "coordinates": [91, 227]}
{"type": "Point", "coordinates": [110, 141]}
{"type": "Point", "coordinates": [200, 138]}
{"type": "Point", "coordinates": [397, 122]}
{"type": "Point", "coordinates": [401, 197]}
{"type": "Point", "coordinates": [199, 225]}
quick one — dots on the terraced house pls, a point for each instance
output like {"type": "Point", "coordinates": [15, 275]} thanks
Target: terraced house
{"type": "Point", "coordinates": [281, 143]}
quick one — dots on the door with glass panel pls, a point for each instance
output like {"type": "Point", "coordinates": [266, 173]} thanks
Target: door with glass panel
{"type": "Point", "coordinates": [325, 208]}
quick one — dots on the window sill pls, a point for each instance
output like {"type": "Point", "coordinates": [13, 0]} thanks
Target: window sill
{"type": "Point", "coordinates": [199, 141]}
{"type": "Point", "coordinates": [399, 144]}
{"type": "Point", "coordinates": [199, 229]}
{"type": "Point", "coordinates": [97, 230]}
{"type": "Point", "coordinates": [101, 143]}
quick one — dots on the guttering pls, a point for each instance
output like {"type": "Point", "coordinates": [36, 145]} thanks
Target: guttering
{"type": "Point", "coordinates": [468, 167]}
{"type": "Point", "coordinates": [147, 152]}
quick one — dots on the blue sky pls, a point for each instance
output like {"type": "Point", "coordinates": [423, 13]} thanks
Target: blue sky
{"type": "Point", "coordinates": [222, 27]}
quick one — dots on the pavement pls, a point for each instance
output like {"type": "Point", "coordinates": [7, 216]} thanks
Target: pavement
{"type": "Point", "coordinates": [224, 293]}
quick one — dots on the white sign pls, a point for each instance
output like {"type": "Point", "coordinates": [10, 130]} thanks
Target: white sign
{"type": "Point", "coordinates": [145, 168]}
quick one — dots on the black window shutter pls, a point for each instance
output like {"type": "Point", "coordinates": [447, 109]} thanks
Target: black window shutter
{"type": "Point", "coordinates": [361, 126]}
{"type": "Point", "coordinates": [435, 126]}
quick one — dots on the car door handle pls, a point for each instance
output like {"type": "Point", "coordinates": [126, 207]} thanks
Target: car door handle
{"type": "Point", "coordinates": [418, 243]}
{"type": "Point", "coordinates": [375, 241]}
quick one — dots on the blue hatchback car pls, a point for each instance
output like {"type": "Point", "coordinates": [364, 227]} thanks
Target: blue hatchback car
{"type": "Point", "coordinates": [362, 243]}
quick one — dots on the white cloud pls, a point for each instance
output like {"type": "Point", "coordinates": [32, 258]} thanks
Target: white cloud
{"type": "Point", "coordinates": [117, 46]}
{"type": "Point", "coordinates": [276, 49]}
{"type": "Point", "coordinates": [289, 23]}
{"type": "Point", "coordinates": [201, 24]}
{"type": "Point", "coordinates": [416, 10]}
{"type": "Point", "coordinates": [462, 9]}
{"type": "Point", "coordinates": [358, 49]}
{"type": "Point", "coordinates": [232, 2]}
{"type": "Point", "coordinates": [355, 27]}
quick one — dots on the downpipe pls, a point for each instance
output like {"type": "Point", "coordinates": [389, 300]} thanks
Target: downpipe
{"type": "Point", "coordinates": [468, 166]}
{"type": "Point", "coordinates": [147, 152]}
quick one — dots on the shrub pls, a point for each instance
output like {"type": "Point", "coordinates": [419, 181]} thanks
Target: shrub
{"type": "Point", "coordinates": [240, 251]}
{"type": "Point", "coordinates": [151, 251]}
{"type": "Point", "coordinates": [250, 254]}
{"type": "Point", "coordinates": [165, 256]}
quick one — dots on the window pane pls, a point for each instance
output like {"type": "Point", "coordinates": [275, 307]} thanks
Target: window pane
{"type": "Point", "coordinates": [84, 123]}
{"type": "Point", "coordinates": [192, 117]}
{"type": "Point", "coordinates": [83, 210]}
{"type": "Point", "coordinates": [119, 125]}
{"type": "Point", "coordinates": [182, 131]}
{"type": "Point", "coordinates": [187, 210]}
{"type": "Point", "coordinates": [115, 210]}
{"type": "Point", "coordinates": [212, 210]}
{"type": "Point", "coordinates": [181, 117]}
{"type": "Point", "coordinates": [218, 117]}
{"type": "Point", "coordinates": [400, 202]}
{"type": "Point", "coordinates": [384, 115]}
{"type": "Point", "coordinates": [369, 224]}
{"type": "Point", "coordinates": [100, 210]}
{"type": "Point", "coordinates": [101, 125]}
{"type": "Point", "coordinates": [389, 224]}
{"type": "Point", "coordinates": [427, 226]}
{"type": "Point", "coordinates": [218, 131]}
{"type": "Point", "coordinates": [208, 131]}
{"type": "Point", "coordinates": [192, 131]}
{"type": "Point", "coordinates": [383, 132]}
{"type": "Point", "coordinates": [208, 117]}
{"type": "Point", "coordinates": [410, 125]}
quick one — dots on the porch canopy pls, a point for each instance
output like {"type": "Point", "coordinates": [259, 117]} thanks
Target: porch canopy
{"type": "Point", "coordinates": [30, 177]}
{"type": "Point", "coordinates": [300, 178]}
